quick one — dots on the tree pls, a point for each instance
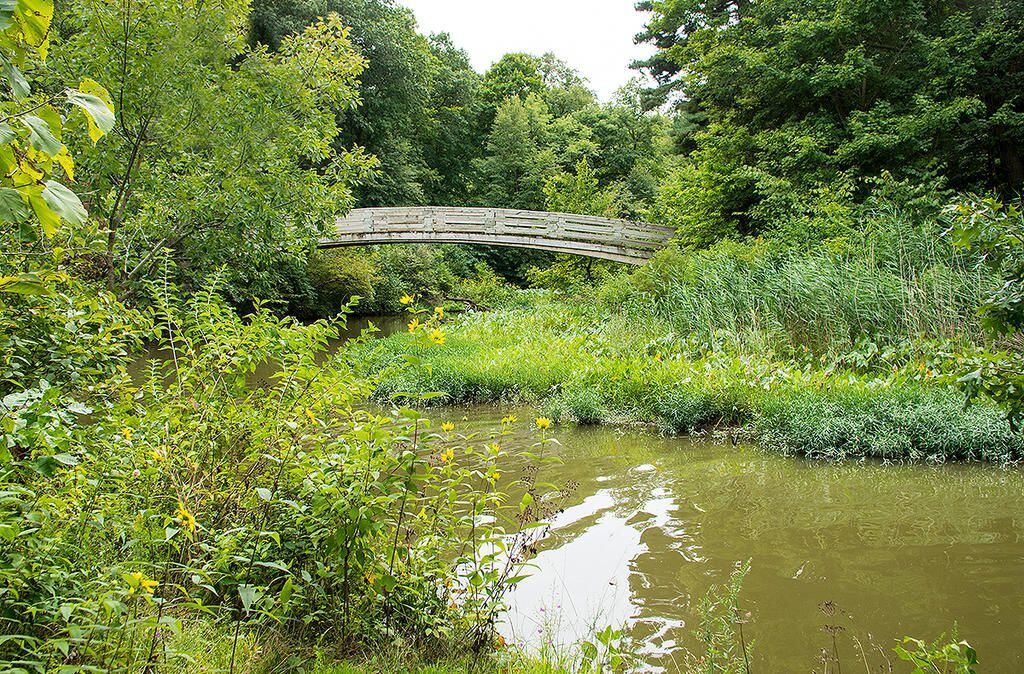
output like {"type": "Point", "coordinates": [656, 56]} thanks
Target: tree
{"type": "Point", "coordinates": [580, 192]}
{"type": "Point", "coordinates": [32, 149]}
{"type": "Point", "coordinates": [624, 135]}
{"type": "Point", "coordinates": [996, 231]}
{"type": "Point", "coordinates": [565, 90]}
{"type": "Point", "coordinates": [514, 75]}
{"type": "Point", "coordinates": [519, 160]}
{"type": "Point", "coordinates": [795, 95]}
{"type": "Point", "coordinates": [396, 88]}
{"type": "Point", "coordinates": [221, 154]}
{"type": "Point", "coordinates": [451, 136]}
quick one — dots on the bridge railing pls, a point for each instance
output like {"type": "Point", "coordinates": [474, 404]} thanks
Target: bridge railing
{"type": "Point", "coordinates": [552, 231]}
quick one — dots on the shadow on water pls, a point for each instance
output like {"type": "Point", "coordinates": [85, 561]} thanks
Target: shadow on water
{"type": "Point", "coordinates": [901, 550]}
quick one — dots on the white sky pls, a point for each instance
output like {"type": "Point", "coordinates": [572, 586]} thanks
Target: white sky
{"type": "Point", "coordinates": [593, 36]}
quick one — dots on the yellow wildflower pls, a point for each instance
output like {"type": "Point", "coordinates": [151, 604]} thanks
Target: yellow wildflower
{"type": "Point", "coordinates": [437, 337]}
{"type": "Point", "coordinates": [414, 325]}
{"type": "Point", "coordinates": [186, 518]}
{"type": "Point", "coordinates": [543, 423]}
{"type": "Point", "coordinates": [407, 299]}
{"type": "Point", "coordinates": [447, 455]}
{"type": "Point", "coordinates": [127, 433]}
{"type": "Point", "coordinates": [657, 357]}
{"type": "Point", "coordinates": [447, 427]}
{"type": "Point", "coordinates": [439, 311]}
{"type": "Point", "coordinates": [510, 419]}
{"type": "Point", "coordinates": [158, 454]}
{"type": "Point", "coordinates": [137, 582]}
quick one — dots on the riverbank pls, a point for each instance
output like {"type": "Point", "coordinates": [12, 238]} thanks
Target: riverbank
{"type": "Point", "coordinates": [204, 647]}
{"type": "Point", "coordinates": [581, 364]}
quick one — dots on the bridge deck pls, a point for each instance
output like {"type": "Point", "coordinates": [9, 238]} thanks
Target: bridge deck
{"type": "Point", "coordinates": [620, 240]}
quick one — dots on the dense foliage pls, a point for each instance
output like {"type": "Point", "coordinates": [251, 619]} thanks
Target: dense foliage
{"type": "Point", "coordinates": [221, 153]}
{"type": "Point", "coordinates": [802, 99]}
{"type": "Point", "coordinates": [225, 476]}
{"type": "Point", "coordinates": [185, 468]}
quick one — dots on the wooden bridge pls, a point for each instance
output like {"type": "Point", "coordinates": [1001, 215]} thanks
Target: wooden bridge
{"type": "Point", "coordinates": [605, 238]}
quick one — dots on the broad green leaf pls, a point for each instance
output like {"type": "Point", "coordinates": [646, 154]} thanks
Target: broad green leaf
{"type": "Point", "coordinates": [41, 136]}
{"type": "Point", "coordinates": [263, 493]}
{"type": "Point", "coordinates": [49, 114]}
{"type": "Point", "coordinates": [66, 162]}
{"type": "Point", "coordinates": [286, 591]}
{"type": "Point", "coordinates": [12, 206]}
{"type": "Point", "coordinates": [24, 284]}
{"type": "Point", "coordinates": [64, 202]}
{"type": "Point", "coordinates": [248, 594]}
{"type": "Point", "coordinates": [98, 112]}
{"type": "Point", "coordinates": [19, 85]}
{"type": "Point", "coordinates": [525, 502]}
{"type": "Point", "coordinates": [7, 8]}
{"type": "Point", "coordinates": [45, 465]}
{"type": "Point", "coordinates": [34, 17]}
{"type": "Point", "coordinates": [7, 134]}
{"type": "Point", "coordinates": [48, 219]}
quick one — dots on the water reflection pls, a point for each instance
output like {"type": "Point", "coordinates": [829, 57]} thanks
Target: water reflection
{"type": "Point", "coordinates": [655, 521]}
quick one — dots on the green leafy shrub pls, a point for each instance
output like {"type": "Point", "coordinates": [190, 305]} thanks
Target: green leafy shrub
{"type": "Point", "coordinates": [234, 480]}
{"type": "Point", "coordinates": [956, 657]}
{"type": "Point", "coordinates": [894, 422]}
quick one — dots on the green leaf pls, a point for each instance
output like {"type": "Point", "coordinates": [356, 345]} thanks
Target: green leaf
{"type": "Point", "coordinates": [286, 591]}
{"type": "Point", "coordinates": [34, 17]}
{"type": "Point", "coordinates": [248, 595]}
{"type": "Point", "coordinates": [24, 284]}
{"type": "Point", "coordinates": [64, 202]}
{"type": "Point", "coordinates": [19, 85]}
{"type": "Point", "coordinates": [41, 135]}
{"type": "Point", "coordinates": [969, 377]}
{"type": "Point", "coordinates": [45, 465]}
{"type": "Point", "coordinates": [263, 493]}
{"type": "Point", "coordinates": [7, 134]}
{"type": "Point", "coordinates": [46, 216]}
{"type": "Point", "coordinates": [97, 111]}
{"type": "Point", "coordinates": [525, 502]}
{"type": "Point", "coordinates": [7, 8]}
{"type": "Point", "coordinates": [12, 206]}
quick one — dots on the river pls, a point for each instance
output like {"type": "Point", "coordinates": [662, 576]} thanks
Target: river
{"type": "Point", "coordinates": [655, 521]}
{"type": "Point", "coordinates": [881, 551]}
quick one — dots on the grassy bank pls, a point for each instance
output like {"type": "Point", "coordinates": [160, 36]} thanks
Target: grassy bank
{"type": "Point", "coordinates": [205, 647]}
{"type": "Point", "coordinates": [583, 363]}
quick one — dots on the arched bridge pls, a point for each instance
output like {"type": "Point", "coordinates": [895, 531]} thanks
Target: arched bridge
{"type": "Point", "coordinates": [619, 240]}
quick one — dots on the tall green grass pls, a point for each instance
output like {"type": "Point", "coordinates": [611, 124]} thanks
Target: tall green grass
{"type": "Point", "coordinates": [880, 287]}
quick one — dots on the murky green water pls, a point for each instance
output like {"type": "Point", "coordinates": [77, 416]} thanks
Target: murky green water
{"type": "Point", "coordinates": [904, 550]}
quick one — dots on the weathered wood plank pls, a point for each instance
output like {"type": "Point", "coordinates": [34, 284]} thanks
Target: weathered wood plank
{"type": "Point", "coordinates": [606, 238]}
